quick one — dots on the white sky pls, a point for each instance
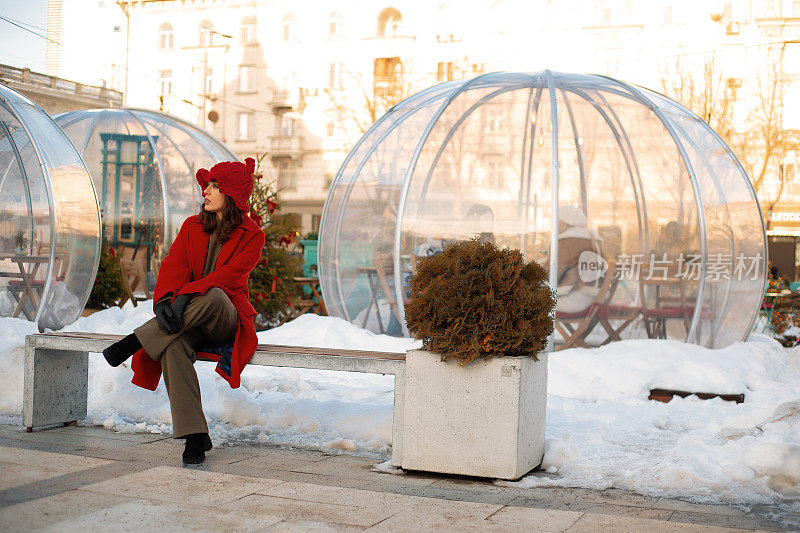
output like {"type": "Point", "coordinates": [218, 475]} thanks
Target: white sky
{"type": "Point", "coordinates": [18, 47]}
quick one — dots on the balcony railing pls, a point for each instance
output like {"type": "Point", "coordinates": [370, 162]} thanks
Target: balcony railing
{"type": "Point", "coordinates": [290, 146]}
{"type": "Point", "coordinates": [283, 100]}
{"type": "Point", "coordinates": [25, 77]}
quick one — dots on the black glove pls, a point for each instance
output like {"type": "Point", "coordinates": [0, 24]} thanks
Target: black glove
{"type": "Point", "coordinates": [165, 316]}
{"type": "Point", "coordinates": [177, 310]}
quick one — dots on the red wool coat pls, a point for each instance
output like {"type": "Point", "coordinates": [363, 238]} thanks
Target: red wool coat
{"type": "Point", "coordinates": [181, 272]}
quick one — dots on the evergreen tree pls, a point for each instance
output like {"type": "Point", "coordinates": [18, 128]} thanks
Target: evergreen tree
{"type": "Point", "coordinates": [272, 290]}
{"type": "Point", "coordinates": [108, 287]}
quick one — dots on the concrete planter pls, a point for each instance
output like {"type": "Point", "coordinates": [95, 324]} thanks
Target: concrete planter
{"type": "Point", "coordinates": [486, 419]}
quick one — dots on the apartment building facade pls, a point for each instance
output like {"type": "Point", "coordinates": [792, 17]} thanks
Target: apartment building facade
{"type": "Point", "coordinates": [299, 81]}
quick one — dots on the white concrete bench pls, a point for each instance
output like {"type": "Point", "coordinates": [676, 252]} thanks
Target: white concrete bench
{"type": "Point", "coordinates": [57, 374]}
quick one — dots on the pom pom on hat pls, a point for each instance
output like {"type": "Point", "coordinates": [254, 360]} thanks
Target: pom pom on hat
{"type": "Point", "coordinates": [234, 179]}
{"type": "Point", "coordinates": [572, 216]}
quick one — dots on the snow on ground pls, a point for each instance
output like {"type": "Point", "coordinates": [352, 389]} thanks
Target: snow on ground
{"type": "Point", "coordinates": [601, 429]}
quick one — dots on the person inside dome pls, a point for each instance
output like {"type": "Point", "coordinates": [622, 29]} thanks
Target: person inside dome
{"type": "Point", "coordinates": [574, 238]}
{"type": "Point", "coordinates": [201, 299]}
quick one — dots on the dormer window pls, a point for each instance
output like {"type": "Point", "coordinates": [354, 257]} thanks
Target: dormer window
{"type": "Point", "coordinates": [389, 22]}
{"type": "Point", "coordinates": [166, 37]}
{"type": "Point", "coordinates": [206, 33]}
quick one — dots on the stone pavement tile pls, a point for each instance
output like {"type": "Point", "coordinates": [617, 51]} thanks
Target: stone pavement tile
{"type": "Point", "coordinates": [428, 514]}
{"type": "Point", "coordinates": [563, 504]}
{"type": "Point", "coordinates": [467, 484]}
{"type": "Point", "coordinates": [388, 482]}
{"type": "Point", "coordinates": [722, 520]}
{"type": "Point", "coordinates": [680, 505]}
{"type": "Point", "coordinates": [73, 440]}
{"type": "Point", "coordinates": [58, 461]}
{"type": "Point", "coordinates": [7, 430]}
{"type": "Point", "coordinates": [530, 519]}
{"type": "Point", "coordinates": [341, 465]}
{"type": "Point", "coordinates": [276, 458]}
{"type": "Point", "coordinates": [326, 494]}
{"type": "Point", "coordinates": [41, 512]}
{"type": "Point", "coordinates": [592, 523]}
{"type": "Point", "coordinates": [500, 498]}
{"type": "Point", "coordinates": [290, 526]}
{"type": "Point", "coordinates": [105, 433]}
{"type": "Point", "coordinates": [187, 485]}
{"type": "Point", "coordinates": [66, 482]}
{"type": "Point", "coordinates": [168, 452]}
{"type": "Point", "coordinates": [559, 494]}
{"type": "Point", "coordinates": [286, 475]}
{"type": "Point", "coordinates": [333, 512]}
{"type": "Point", "coordinates": [13, 475]}
{"type": "Point", "coordinates": [137, 515]}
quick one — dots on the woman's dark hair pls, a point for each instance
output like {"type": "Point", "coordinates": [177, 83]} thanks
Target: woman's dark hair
{"type": "Point", "coordinates": [230, 220]}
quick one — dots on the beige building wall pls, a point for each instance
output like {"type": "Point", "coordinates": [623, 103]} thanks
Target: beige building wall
{"type": "Point", "coordinates": [291, 78]}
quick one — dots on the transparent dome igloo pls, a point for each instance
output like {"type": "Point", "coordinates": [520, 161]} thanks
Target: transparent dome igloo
{"type": "Point", "coordinates": [647, 223]}
{"type": "Point", "coordinates": [143, 165]}
{"type": "Point", "coordinates": [49, 222]}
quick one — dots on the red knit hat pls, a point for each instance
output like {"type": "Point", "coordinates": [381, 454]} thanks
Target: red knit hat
{"type": "Point", "coordinates": [234, 179]}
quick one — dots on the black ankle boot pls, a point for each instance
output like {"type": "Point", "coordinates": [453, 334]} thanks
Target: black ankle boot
{"type": "Point", "coordinates": [120, 351]}
{"type": "Point", "coordinates": [197, 444]}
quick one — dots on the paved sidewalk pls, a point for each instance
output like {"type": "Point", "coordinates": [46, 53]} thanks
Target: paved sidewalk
{"type": "Point", "coordinates": [88, 478]}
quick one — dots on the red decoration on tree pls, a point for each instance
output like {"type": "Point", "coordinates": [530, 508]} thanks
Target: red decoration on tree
{"type": "Point", "coordinates": [271, 287]}
{"type": "Point", "coordinates": [288, 239]}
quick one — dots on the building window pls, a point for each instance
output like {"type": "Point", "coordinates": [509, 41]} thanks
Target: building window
{"type": "Point", "coordinates": [166, 37]}
{"type": "Point", "coordinates": [796, 8]}
{"type": "Point", "coordinates": [287, 175]}
{"type": "Point", "coordinates": [206, 33]}
{"type": "Point", "coordinates": [285, 126]}
{"type": "Point", "coordinates": [295, 220]}
{"type": "Point", "coordinates": [165, 82]}
{"type": "Point", "coordinates": [389, 22]}
{"type": "Point", "coordinates": [444, 24]}
{"type": "Point", "coordinates": [668, 15]}
{"type": "Point", "coordinates": [330, 128]}
{"type": "Point", "coordinates": [247, 79]}
{"type": "Point", "coordinates": [498, 17]}
{"type": "Point", "coordinates": [247, 30]}
{"type": "Point", "coordinates": [494, 119]}
{"type": "Point", "coordinates": [606, 16]}
{"type": "Point", "coordinates": [244, 130]}
{"type": "Point", "coordinates": [495, 172]}
{"type": "Point", "coordinates": [289, 29]}
{"type": "Point", "coordinates": [444, 71]}
{"type": "Point", "coordinates": [772, 7]}
{"type": "Point", "coordinates": [335, 25]}
{"type": "Point", "coordinates": [388, 78]}
{"type": "Point", "coordinates": [209, 83]}
{"type": "Point", "coordinates": [335, 76]}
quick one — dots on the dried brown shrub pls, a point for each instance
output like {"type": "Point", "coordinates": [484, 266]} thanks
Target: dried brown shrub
{"type": "Point", "coordinates": [474, 300]}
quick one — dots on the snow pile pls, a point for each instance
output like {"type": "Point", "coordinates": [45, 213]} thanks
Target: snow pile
{"type": "Point", "coordinates": [601, 429]}
{"type": "Point", "coordinates": [603, 432]}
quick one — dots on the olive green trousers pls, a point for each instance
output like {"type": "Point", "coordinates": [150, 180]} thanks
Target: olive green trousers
{"type": "Point", "coordinates": [209, 319]}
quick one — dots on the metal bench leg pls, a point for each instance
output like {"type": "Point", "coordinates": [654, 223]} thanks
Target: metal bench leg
{"type": "Point", "coordinates": [397, 417]}
{"type": "Point", "coordinates": [55, 386]}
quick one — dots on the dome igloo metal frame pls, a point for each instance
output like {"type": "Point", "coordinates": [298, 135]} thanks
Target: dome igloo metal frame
{"type": "Point", "coordinates": [509, 157]}
{"type": "Point", "coordinates": [143, 165]}
{"type": "Point", "coordinates": [49, 221]}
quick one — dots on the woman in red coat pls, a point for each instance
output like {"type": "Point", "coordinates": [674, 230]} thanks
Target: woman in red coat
{"type": "Point", "coordinates": [201, 300]}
